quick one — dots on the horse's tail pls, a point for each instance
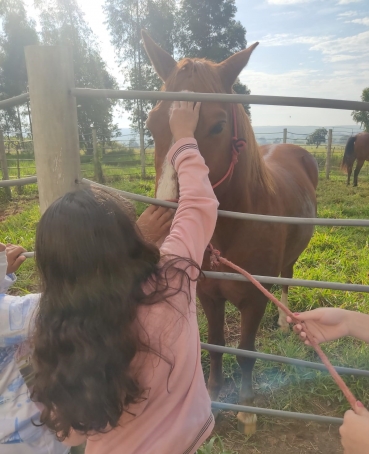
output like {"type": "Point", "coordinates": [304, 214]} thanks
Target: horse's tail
{"type": "Point", "coordinates": [349, 156]}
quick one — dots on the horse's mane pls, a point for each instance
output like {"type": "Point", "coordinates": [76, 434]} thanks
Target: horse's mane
{"type": "Point", "coordinates": [201, 75]}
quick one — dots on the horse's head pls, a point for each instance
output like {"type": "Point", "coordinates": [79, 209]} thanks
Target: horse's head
{"type": "Point", "coordinates": [215, 128]}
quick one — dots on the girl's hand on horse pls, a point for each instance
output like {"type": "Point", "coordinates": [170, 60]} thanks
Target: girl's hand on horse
{"type": "Point", "coordinates": [14, 257]}
{"type": "Point", "coordinates": [354, 431]}
{"type": "Point", "coordinates": [154, 223]}
{"type": "Point", "coordinates": [325, 324]}
{"type": "Point", "coordinates": [183, 119]}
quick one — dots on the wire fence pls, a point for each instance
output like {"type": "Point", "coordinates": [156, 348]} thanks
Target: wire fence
{"type": "Point", "coordinates": [120, 156]}
{"type": "Point", "coordinates": [120, 159]}
{"type": "Point", "coordinates": [258, 355]}
{"type": "Point", "coordinates": [340, 136]}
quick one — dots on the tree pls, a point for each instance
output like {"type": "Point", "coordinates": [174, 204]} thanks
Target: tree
{"type": "Point", "coordinates": [17, 32]}
{"type": "Point", "coordinates": [63, 22]}
{"type": "Point", "coordinates": [361, 116]}
{"type": "Point", "coordinates": [317, 137]}
{"type": "Point", "coordinates": [208, 29]}
{"type": "Point", "coordinates": [343, 139]}
{"type": "Point", "coordinates": [126, 19]}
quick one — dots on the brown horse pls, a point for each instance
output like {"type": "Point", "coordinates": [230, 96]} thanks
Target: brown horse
{"type": "Point", "coordinates": [357, 147]}
{"type": "Point", "coordinates": [277, 180]}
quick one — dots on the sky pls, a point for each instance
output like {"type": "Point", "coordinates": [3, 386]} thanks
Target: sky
{"type": "Point", "coordinates": [308, 48]}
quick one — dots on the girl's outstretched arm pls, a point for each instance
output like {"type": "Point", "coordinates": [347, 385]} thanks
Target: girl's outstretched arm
{"type": "Point", "coordinates": [194, 222]}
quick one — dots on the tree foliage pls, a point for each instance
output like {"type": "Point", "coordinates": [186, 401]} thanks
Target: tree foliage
{"type": "Point", "coordinates": [361, 116]}
{"type": "Point", "coordinates": [318, 137]}
{"type": "Point", "coordinates": [126, 19]}
{"type": "Point", "coordinates": [207, 29]}
{"type": "Point", "coordinates": [62, 22]}
{"type": "Point", "coordinates": [17, 31]}
{"type": "Point", "coordinates": [190, 28]}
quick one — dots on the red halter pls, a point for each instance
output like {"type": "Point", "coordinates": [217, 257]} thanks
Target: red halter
{"type": "Point", "coordinates": [237, 146]}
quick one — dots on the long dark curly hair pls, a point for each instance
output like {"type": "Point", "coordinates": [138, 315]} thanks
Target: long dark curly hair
{"type": "Point", "coordinates": [93, 262]}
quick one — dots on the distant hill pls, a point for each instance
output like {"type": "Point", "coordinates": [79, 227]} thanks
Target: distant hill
{"type": "Point", "coordinates": [270, 134]}
{"type": "Point", "coordinates": [298, 134]}
{"type": "Point", "coordinates": [345, 129]}
{"type": "Point", "coordinates": [126, 134]}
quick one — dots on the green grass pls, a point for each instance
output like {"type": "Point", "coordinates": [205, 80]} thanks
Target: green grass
{"type": "Point", "coordinates": [334, 254]}
{"type": "Point", "coordinates": [214, 445]}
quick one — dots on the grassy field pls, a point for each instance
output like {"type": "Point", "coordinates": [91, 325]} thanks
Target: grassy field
{"type": "Point", "coordinates": [334, 254]}
{"type": "Point", "coordinates": [120, 157]}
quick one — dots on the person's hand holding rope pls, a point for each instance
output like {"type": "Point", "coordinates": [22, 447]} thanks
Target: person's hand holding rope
{"type": "Point", "coordinates": [326, 324]}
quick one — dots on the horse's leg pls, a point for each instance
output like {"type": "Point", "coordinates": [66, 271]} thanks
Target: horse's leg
{"type": "Point", "coordinates": [282, 321]}
{"type": "Point", "coordinates": [358, 167]}
{"type": "Point", "coordinates": [252, 312]}
{"type": "Point", "coordinates": [349, 171]}
{"type": "Point", "coordinates": [214, 311]}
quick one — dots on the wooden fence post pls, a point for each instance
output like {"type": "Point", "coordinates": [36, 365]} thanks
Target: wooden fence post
{"type": "Point", "coordinates": [285, 135]}
{"type": "Point", "coordinates": [4, 164]}
{"type": "Point", "coordinates": [97, 164]}
{"type": "Point", "coordinates": [54, 121]}
{"type": "Point", "coordinates": [329, 152]}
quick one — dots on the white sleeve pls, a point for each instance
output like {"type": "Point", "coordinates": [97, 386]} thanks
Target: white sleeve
{"type": "Point", "coordinates": [17, 315]}
{"type": "Point", "coordinates": [6, 281]}
{"type": "Point", "coordinates": [16, 312]}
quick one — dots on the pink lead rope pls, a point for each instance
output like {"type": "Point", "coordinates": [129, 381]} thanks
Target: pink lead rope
{"type": "Point", "coordinates": [216, 259]}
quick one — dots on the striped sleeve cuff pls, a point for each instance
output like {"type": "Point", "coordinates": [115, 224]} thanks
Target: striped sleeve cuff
{"type": "Point", "coordinates": [179, 147]}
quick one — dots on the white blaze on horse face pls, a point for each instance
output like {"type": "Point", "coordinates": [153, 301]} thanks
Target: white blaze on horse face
{"type": "Point", "coordinates": [168, 183]}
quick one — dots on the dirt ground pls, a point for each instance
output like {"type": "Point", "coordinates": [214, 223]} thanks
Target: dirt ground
{"type": "Point", "coordinates": [279, 437]}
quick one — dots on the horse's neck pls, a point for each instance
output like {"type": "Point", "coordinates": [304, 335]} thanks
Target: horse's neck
{"type": "Point", "coordinates": [237, 195]}
{"type": "Point", "coordinates": [250, 182]}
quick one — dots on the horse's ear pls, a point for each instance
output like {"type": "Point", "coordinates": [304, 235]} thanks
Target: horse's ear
{"type": "Point", "coordinates": [231, 68]}
{"type": "Point", "coordinates": [161, 60]}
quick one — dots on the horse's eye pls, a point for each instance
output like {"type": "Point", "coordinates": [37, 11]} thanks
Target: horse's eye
{"type": "Point", "coordinates": [217, 129]}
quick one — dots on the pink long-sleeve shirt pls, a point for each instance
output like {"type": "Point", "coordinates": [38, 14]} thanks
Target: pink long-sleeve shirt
{"type": "Point", "coordinates": [175, 417]}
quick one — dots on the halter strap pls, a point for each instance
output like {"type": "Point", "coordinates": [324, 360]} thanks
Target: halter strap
{"type": "Point", "coordinates": [237, 146]}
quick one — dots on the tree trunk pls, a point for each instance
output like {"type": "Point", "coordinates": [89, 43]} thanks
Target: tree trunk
{"type": "Point", "coordinates": [20, 129]}
{"type": "Point", "coordinates": [142, 143]}
{"type": "Point", "coordinates": [19, 188]}
{"type": "Point", "coordinates": [29, 119]}
{"type": "Point", "coordinates": [140, 106]}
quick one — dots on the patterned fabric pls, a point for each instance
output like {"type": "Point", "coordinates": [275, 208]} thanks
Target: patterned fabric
{"type": "Point", "coordinates": [18, 433]}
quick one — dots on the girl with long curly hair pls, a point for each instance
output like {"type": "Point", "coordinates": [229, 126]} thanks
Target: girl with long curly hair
{"type": "Point", "coordinates": [116, 348]}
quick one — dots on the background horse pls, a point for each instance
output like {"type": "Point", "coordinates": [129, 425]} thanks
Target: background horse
{"type": "Point", "coordinates": [278, 180]}
{"type": "Point", "coordinates": [357, 147]}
